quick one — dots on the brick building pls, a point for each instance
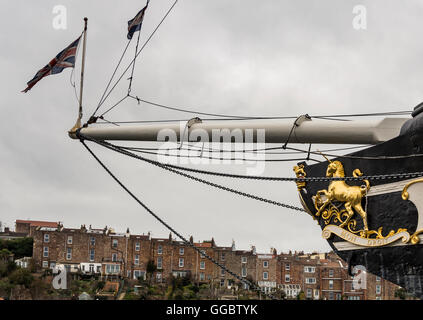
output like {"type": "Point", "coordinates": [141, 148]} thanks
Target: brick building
{"type": "Point", "coordinates": [112, 255]}
{"type": "Point", "coordinates": [266, 271]}
{"type": "Point", "coordinates": [25, 226]}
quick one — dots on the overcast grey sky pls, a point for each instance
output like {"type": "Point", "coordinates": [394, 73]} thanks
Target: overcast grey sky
{"type": "Point", "coordinates": [258, 58]}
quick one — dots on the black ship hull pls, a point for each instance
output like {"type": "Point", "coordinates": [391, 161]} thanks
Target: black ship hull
{"type": "Point", "coordinates": [391, 248]}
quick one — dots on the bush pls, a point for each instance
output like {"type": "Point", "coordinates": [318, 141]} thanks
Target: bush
{"type": "Point", "coordinates": [21, 247]}
{"type": "Point", "coordinates": [22, 277]}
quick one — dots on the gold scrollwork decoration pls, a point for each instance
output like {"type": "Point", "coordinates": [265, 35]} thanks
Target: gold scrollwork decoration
{"type": "Point", "coordinates": [300, 173]}
{"type": "Point", "coordinates": [404, 193]}
{"type": "Point", "coordinates": [348, 203]}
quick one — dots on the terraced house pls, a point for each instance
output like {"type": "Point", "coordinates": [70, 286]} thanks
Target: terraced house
{"type": "Point", "coordinates": [109, 254]}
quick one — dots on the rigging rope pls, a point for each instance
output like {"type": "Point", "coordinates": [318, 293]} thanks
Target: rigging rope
{"type": "Point", "coordinates": [137, 54]}
{"type": "Point", "coordinates": [253, 151]}
{"type": "Point", "coordinates": [238, 117]}
{"type": "Point", "coordinates": [174, 169]}
{"type": "Point", "coordinates": [268, 178]}
{"type": "Point", "coordinates": [111, 78]}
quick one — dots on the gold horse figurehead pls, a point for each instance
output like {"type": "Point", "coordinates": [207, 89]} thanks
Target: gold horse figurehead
{"type": "Point", "coordinates": [338, 190]}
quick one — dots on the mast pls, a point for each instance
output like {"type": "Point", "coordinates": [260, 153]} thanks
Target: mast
{"type": "Point", "coordinates": [81, 90]}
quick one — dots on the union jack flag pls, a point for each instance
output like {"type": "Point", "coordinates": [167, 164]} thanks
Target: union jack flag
{"type": "Point", "coordinates": [136, 23]}
{"type": "Point", "coordinates": [65, 59]}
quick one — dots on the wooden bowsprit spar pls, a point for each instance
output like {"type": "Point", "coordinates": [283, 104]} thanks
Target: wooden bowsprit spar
{"type": "Point", "coordinates": [275, 131]}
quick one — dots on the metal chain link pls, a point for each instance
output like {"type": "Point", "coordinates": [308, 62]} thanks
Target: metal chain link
{"type": "Point", "coordinates": [168, 168]}
{"type": "Point", "coordinates": [292, 179]}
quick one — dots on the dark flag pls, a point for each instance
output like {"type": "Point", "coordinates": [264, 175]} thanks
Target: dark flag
{"type": "Point", "coordinates": [136, 23]}
{"type": "Point", "coordinates": [65, 59]}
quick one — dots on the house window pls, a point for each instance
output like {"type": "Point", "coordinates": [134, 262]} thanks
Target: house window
{"type": "Point", "coordinates": [287, 267]}
{"type": "Point", "coordinates": [137, 246]}
{"type": "Point", "coordinates": [45, 264]}
{"type": "Point", "coordinates": [98, 269]}
{"type": "Point", "coordinates": [181, 251]}
{"type": "Point", "coordinates": [114, 243]}
{"type": "Point", "coordinates": [91, 268]}
{"type": "Point", "coordinates": [112, 268]}
{"type": "Point", "coordinates": [68, 253]}
{"type": "Point", "coordinates": [92, 254]}
{"type": "Point", "coordinates": [265, 275]}
{"type": "Point", "coordinates": [203, 254]}
{"type": "Point", "coordinates": [287, 278]}
{"type": "Point", "coordinates": [222, 282]}
{"type": "Point", "coordinates": [330, 272]}
{"type": "Point", "coordinates": [137, 274]}
{"type": "Point", "coordinates": [378, 289]}
{"type": "Point", "coordinates": [181, 262]}
{"type": "Point", "coordinates": [243, 259]}
{"type": "Point", "coordinates": [114, 257]}
{"type": "Point", "coordinates": [70, 239]}
{"type": "Point", "coordinates": [222, 272]}
{"type": "Point", "coordinates": [244, 271]}
{"type": "Point", "coordinates": [330, 295]}
{"type": "Point", "coordinates": [137, 259]}
{"type": "Point", "coordinates": [92, 241]}
{"type": "Point", "coordinates": [309, 293]}
{"type": "Point", "coordinates": [159, 277]}
{"type": "Point", "coordinates": [309, 269]}
{"type": "Point", "coordinates": [330, 284]}
{"type": "Point", "coordinates": [159, 263]}
{"type": "Point", "coordinates": [46, 237]}
{"type": "Point", "coordinates": [222, 256]}
{"type": "Point", "coordinates": [310, 280]}
{"type": "Point", "coordinates": [265, 264]}
{"type": "Point", "coordinates": [202, 265]}
{"type": "Point", "coordinates": [202, 276]}
{"type": "Point", "coordinates": [377, 278]}
{"type": "Point", "coordinates": [45, 252]}
{"type": "Point", "coordinates": [159, 249]}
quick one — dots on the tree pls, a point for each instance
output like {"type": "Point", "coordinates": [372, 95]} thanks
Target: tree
{"type": "Point", "coordinates": [151, 268]}
{"type": "Point", "coordinates": [22, 277]}
{"type": "Point", "coordinates": [21, 247]}
{"type": "Point", "coordinates": [400, 293]}
{"type": "Point", "coordinates": [301, 295]}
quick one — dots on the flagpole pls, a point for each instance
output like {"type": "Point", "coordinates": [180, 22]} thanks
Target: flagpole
{"type": "Point", "coordinates": [84, 45]}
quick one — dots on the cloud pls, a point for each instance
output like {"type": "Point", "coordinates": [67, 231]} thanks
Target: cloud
{"type": "Point", "coordinates": [234, 57]}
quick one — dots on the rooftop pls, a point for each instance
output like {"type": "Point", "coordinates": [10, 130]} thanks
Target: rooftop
{"type": "Point", "coordinates": [34, 223]}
